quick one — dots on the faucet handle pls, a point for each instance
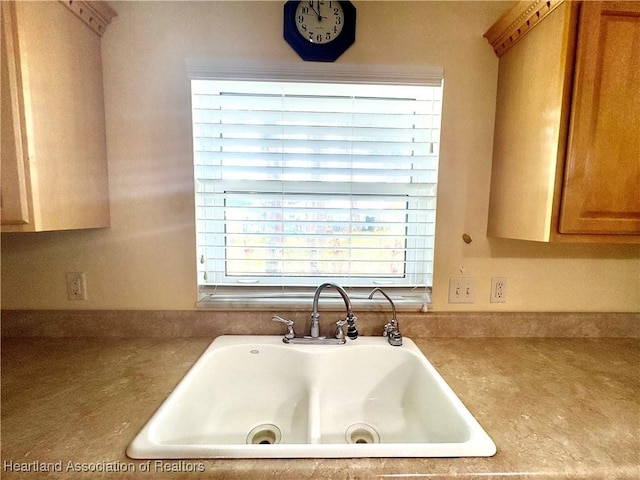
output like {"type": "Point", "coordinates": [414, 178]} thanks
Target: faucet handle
{"type": "Point", "coordinates": [340, 329]}
{"type": "Point", "coordinates": [289, 323]}
{"type": "Point", "coordinates": [352, 331]}
{"type": "Point", "coordinates": [392, 333]}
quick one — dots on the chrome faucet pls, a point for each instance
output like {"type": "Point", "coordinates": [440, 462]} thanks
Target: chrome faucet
{"type": "Point", "coordinates": [391, 329]}
{"type": "Point", "coordinates": [350, 320]}
{"type": "Point", "coordinates": [314, 337]}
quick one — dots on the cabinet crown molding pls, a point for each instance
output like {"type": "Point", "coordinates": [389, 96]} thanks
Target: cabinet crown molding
{"type": "Point", "coordinates": [517, 22]}
{"type": "Point", "coordinates": [95, 14]}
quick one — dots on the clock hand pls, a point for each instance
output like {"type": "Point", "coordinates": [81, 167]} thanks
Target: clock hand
{"type": "Point", "coordinates": [311, 6]}
{"type": "Point", "coordinates": [318, 12]}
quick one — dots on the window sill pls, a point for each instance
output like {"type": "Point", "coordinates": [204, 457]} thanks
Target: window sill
{"type": "Point", "coordinates": [301, 301]}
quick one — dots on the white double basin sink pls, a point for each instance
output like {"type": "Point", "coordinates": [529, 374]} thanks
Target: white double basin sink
{"type": "Point", "coordinates": [257, 397]}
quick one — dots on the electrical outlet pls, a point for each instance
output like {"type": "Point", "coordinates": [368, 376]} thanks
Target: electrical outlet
{"type": "Point", "coordinates": [76, 286]}
{"type": "Point", "coordinates": [499, 290]}
{"type": "Point", "coordinates": [462, 290]}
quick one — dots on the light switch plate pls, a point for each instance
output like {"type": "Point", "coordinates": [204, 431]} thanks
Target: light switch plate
{"type": "Point", "coordinates": [462, 290]}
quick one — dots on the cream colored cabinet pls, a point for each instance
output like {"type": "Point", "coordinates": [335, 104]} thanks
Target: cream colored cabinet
{"type": "Point", "coordinates": [566, 160]}
{"type": "Point", "coordinates": [54, 165]}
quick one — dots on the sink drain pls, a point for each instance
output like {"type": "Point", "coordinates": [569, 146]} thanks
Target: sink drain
{"type": "Point", "coordinates": [362, 433]}
{"type": "Point", "coordinates": [265, 434]}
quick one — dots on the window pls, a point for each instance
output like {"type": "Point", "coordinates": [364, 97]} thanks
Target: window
{"type": "Point", "coordinates": [299, 183]}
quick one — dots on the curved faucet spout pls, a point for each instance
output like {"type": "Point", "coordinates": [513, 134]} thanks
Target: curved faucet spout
{"type": "Point", "coordinates": [352, 332]}
{"type": "Point", "coordinates": [341, 291]}
{"type": "Point", "coordinates": [393, 306]}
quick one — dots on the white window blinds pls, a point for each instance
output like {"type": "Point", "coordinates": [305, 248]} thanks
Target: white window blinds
{"type": "Point", "coordinates": [301, 183]}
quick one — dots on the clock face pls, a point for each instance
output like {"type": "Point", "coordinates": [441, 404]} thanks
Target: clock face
{"type": "Point", "coordinates": [319, 21]}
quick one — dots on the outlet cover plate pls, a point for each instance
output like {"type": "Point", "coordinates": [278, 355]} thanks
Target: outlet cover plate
{"type": "Point", "coordinates": [498, 290]}
{"type": "Point", "coordinates": [76, 286]}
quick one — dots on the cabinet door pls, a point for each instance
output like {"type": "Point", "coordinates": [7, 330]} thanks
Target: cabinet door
{"type": "Point", "coordinates": [14, 187]}
{"type": "Point", "coordinates": [601, 192]}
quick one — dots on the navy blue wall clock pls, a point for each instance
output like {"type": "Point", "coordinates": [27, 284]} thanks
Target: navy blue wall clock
{"type": "Point", "coordinates": [321, 30]}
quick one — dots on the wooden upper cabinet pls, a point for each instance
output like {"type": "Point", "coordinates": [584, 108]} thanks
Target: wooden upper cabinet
{"type": "Point", "coordinates": [602, 176]}
{"type": "Point", "coordinates": [54, 164]}
{"type": "Point", "coordinates": [566, 160]}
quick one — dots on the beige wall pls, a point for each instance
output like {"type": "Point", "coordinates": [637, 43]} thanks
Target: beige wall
{"type": "Point", "coordinates": [146, 260]}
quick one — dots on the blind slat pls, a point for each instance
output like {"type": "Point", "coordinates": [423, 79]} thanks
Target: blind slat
{"type": "Point", "coordinates": [357, 162]}
{"type": "Point", "coordinates": [311, 120]}
{"type": "Point", "coordinates": [327, 133]}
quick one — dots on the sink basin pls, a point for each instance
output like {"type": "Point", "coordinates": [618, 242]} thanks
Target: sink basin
{"type": "Point", "coordinates": [256, 397]}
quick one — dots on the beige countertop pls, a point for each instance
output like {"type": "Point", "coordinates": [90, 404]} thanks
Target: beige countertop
{"type": "Point", "coordinates": [556, 408]}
